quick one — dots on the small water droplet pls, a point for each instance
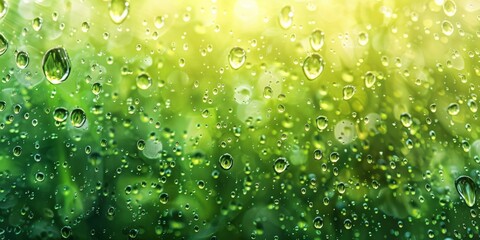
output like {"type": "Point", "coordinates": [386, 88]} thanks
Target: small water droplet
{"type": "Point", "coordinates": [317, 39]}
{"type": "Point", "coordinates": [472, 105]}
{"type": "Point", "coordinates": [267, 92]}
{"type": "Point", "coordinates": [164, 198]}
{"type": "Point", "coordinates": [226, 161]}
{"type": "Point", "coordinates": [60, 114]}
{"type": "Point", "coordinates": [85, 27]}
{"type": "Point", "coordinates": [56, 65]}
{"type": "Point", "coordinates": [144, 81]}
{"type": "Point", "coordinates": [453, 109]}
{"type": "Point", "coordinates": [370, 79]}
{"type": "Point", "coordinates": [317, 154]}
{"type": "Point", "coordinates": [118, 10]}
{"type": "Point", "coordinates": [449, 8]}
{"type": "Point", "coordinates": [467, 188]}
{"type": "Point", "coordinates": [159, 22]}
{"type": "Point", "coordinates": [237, 57]}
{"type": "Point", "coordinates": [37, 23]}
{"type": "Point", "coordinates": [334, 157]}
{"type": "Point", "coordinates": [363, 38]}
{"type": "Point", "coordinates": [78, 117]}
{"type": "Point", "coordinates": [321, 122]}
{"type": "Point", "coordinates": [280, 165]}
{"type": "Point", "coordinates": [22, 59]}
{"type": "Point", "coordinates": [447, 28]}
{"type": "Point", "coordinates": [313, 66]}
{"type": "Point", "coordinates": [348, 92]}
{"type": "Point", "coordinates": [3, 44]}
{"type": "Point", "coordinates": [286, 17]}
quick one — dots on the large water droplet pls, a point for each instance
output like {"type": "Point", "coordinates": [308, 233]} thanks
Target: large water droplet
{"type": "Point", "coordinates": [467, 188]}
{"type": "Point", "coordinates": [286, 17]}
{"type": "Point", "coordinates": [453, 109]}
{"type": "Point", "coordinates": [3, 44]}
{"type": "Point", "coordinates": [449, 8]}
{"type": "Point", "coordinates": [317, 40]}
{"type": "Point", "coordinates": [144, 81]}
{"type": "Point", "coordinates": [447, 28]}
{"type": "Point", "coordinates": [118, 10]}
{"type": "Point", "coordinates": [56, 65]}
{"type": "Point", "coordinates": [60, 114]}
{"type": "Point", "coordinates": [313, 66]}
{"type": "Point", "coordinates": [3, 8]}
{"type": "Point", "coordinates": [237, 57]}
{"type": "Point", "coordinates": [78, 117]}
{"type": "Point", "coordinates": [22, 59]}
{"type": "Point", "coordinates": [280, 165]}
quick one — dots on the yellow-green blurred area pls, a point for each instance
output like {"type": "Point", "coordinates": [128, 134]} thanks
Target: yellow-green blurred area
{"type": "Point", "coordinates": [242, 119]}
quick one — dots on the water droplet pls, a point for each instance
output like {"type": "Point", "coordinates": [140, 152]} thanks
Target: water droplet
{"type": "Point", "coordinates": [348, 92]}
{"type": "Point", "coordinates": [370, 79]}
{"type": "Point", "coordinates": [318, 222]}
{"type": "Point", "coordinates": [3, 44]}
{"type": "Point", "coordinates": [449, 8]}
{"type": "Point", "coordinates": [313, 66]}
{"type": "Point", "coordinates": [118, 10]}
{"type": "Point", "coordinates": [37, 23]}
{"type": "Point", "coordinates": [334, 157]}
{"type": "Point", "coordinates": [406, 119]}
{"type": "Point", "coordinates": [363, 38]}
{"type": "Point", "coordinates": [226, 161]}
{"type": "Point", "coordinates": [17, 151]}
{"type": "Point", "coordinates": [3, 105]}
{"type": "Point", "coordinates": [141, 145]}
{"type": "Point", "coordinates": [85, 27]}
{"type": "Point", "coordinates": [286, 17]}
{"type": "Point", "coordinates": [317, 39]}
{"type": "Point", "coordinates": [467, 188]}
{"type": "Point", "coordinates": [317, 154]}
{"type": "Point", "coordinates": [280, 165]}
{"type": "Point", "coordinates": [267, 92]}
{"type": "Point", "coordinates": [56, 65]}
{"type": "Point", "coordinates": [40, 176]}
{"type": "Point", "coordinates": [237, 57]}
{"type": "Point", "coordinates": [60, 114]}
{"type": "Point", "coordinates": [159, 22]}
{"type": "Point", "coordinates": [144, 81]}
{"type": "Point", "coordinates": [97, 88]}
{"type": "Point", "coordinates": [341, 188]}
{"type": "Point", "coordinates": [22, 59]}
{"type": "Point", "coordinates": [453, 109]}
{"type": "Point", "coordinates": [347, 224]}
{"type": "Point", "coordinates": [66, 231]}
{"type": "Point", "coordinates": [472, 105]}
{"type": "Point", "coordinates": [3, 8]}
{"type": "Point", "coordinates": [447, 27]}
{"type": "Point", "coordinates": [322, 122]}
{"type": "Point", "coordinates": [78, 117]}
{"type": "Point", "coordinates": [164, 198]}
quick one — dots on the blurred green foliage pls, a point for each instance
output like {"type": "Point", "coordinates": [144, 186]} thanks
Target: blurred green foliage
{"type": "Point", "coordinates": [240, 119]}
